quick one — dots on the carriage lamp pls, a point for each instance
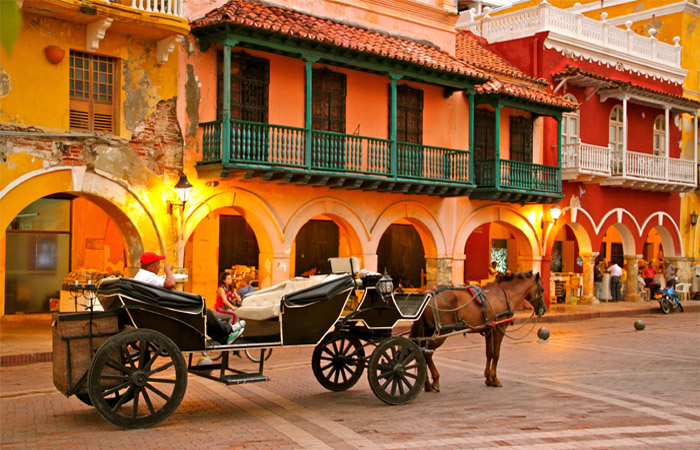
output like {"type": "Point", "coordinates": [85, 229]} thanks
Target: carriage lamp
{"type": "Point", "coordinates": [183, 188]}
{"type": "Point", "coordinates": [385, 285]}
{"type": "Point", "coordinates": [693, 218]}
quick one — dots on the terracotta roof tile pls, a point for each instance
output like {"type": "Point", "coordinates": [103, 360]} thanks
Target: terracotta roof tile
{"type": "Point", "coordinates": [496, 86]}
{"type": "Point", "coordinates": [472, 49]}
{"type": "Point", "coordinates": [260, 15]}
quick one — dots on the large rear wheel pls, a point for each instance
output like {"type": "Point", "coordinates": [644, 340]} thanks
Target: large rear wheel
{"type": "Point", "coordinates": [147, 368]}
{"type": "Point", "coordinates": [338, 362]}
{"type": "Point", "coordinates": [397, 371]}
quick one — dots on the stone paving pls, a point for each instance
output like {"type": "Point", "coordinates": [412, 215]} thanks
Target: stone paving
{"type": "Point", "coordinates": [595, 384]}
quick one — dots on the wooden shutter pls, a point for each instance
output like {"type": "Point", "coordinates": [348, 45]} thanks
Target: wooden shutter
{"type": "Point", "coordinates": [409, 114]}
{"type": "Point", "coordinates": [250, 86]}
{"type": "Point", "coordinates": [328, 100]}
{"type": "Point", "coordinates": [521, 139]}
{"type": "Point", "coordinates": [484, 134]}
{"type": "Point", "coordinates": [92, 88]}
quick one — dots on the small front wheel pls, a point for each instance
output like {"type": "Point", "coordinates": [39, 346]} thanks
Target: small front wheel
{"type": "Point", "coordinates": [338, 362]}
{"type": "Point", "coordinates": [150, 371]}
{"type": "Point", "coordinates": [397, 371]}
{"type": "Point", "coordinates": [665, 305]}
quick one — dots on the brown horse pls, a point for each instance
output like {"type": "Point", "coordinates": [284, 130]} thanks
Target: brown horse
{"type": "Point", "coordinates": [456, 309]}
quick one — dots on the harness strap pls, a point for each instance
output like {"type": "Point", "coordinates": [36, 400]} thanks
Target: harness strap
{"type": "Point", "coordinates": [507, 313]}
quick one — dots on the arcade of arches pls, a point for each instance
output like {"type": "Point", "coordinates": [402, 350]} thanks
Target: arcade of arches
{"type": "Point", "coordinates": [76, 231]}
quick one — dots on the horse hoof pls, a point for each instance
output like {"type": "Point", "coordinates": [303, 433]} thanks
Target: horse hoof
{"type": "Point", "coordinates": [436, 388]}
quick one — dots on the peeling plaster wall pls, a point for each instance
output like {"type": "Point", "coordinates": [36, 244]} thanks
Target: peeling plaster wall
{"type": "Point", "coordinates": [192, 98]}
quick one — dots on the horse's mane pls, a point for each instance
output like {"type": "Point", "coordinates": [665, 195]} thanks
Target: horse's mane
{"type": "Point", "coordinates": [501, 278]}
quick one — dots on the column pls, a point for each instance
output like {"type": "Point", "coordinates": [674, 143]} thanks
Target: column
{"type": "Point", "coordinates": [588, 288]}
{"type": "Point", "coordinates": [472, 179]}
{"type": "Point", "coordinates": [546, 274]}
{"type": "Point", "coordinates": [686, 268]}
{"type": "Point", "coordinates": [370, 261]}
{"type": "Point", "coordinates": [632, 290]}
{"type": "Point", "coordinates": [458, 270]}
{"type": "Point", "coordinates": [180, 282]}
{"type": "Point", "coordinates": [438, 271]}
{"type": "Point", "coordinates": [226, 109]}
{"type": "Point", "coordinates": [308, 102]}
{"type": "Point", "coordinates": [497, 150]}
{"type": "Point", "coordinates": [393, 168]}
{"type": "Point", "coordinates": [280, 268]}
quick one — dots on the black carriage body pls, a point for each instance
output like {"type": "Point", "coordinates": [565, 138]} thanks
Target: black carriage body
{"type": "Point", "coordinates": [377, 312]}
{"type": "Point", "coordinates": [178, 315]}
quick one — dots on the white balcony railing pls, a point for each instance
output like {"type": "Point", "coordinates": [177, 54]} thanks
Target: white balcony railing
{"type": "Point", "coordinates": [170, 7]}
{"type": "Point", "coordinates": [593, 163]}
{"type": "Point", "coordinates": [574, 25]}
{"type": "Point", "coordinates": [586, 158]}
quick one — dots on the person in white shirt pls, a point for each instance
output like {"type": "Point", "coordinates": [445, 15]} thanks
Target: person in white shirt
{"type": "Point", "coordinates": [615, 274]}
{"type": "Point", "coordinates": [150, 266]}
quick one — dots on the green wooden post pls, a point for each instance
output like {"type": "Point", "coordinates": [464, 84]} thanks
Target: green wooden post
{"type": "Point", "coordinates": [497, 150]}
{"type": "Point", "coordinates": [308, 108]}
{"type": "Point", "coordinates": [392, 128]}
{"type": "Point", "coordinates": [226, 113]}
{"type": "Point", "coordinates": [559, 121]}
{"type": "Point", "coordinates": [471, 136]}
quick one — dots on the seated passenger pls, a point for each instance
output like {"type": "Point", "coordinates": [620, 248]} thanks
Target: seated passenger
{"type": "Point", "coordinates": [245, 287]}
{"type": "Point", "coordinates": [227, 300]}
{"type": "Point", "coordinates": [148, 273]}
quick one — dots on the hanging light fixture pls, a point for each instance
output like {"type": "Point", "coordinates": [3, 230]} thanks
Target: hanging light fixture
{"type": "Point", "coordinates": [183, 188]}
{"type": "Point", "coordinates": [693, 218]}
{"type": "Point", "coordinates": [385, 285]}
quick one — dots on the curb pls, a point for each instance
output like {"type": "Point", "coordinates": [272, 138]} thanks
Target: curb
{"type": "Point", "coordinates": [27, 358]}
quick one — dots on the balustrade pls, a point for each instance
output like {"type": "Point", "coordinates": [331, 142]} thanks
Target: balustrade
{"type": "Point", "coordinates": [170, 7]}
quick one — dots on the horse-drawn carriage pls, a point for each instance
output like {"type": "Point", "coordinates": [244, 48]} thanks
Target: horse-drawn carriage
{"type": "Point", "coordinates": [127, 361]}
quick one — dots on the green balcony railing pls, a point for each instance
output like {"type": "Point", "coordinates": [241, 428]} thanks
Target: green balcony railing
{"type": "Point", "coordinates": [517, 175]}
{"type": "Point", "coordinates": [282, 146]}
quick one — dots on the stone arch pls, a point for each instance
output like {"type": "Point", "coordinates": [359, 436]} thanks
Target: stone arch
{"type": "Point", "coordinates": [137, 225]}
{"type": "Point", "coordinates": [495, 213]}
{"type": "Point", "coordinates": [628, 242]}
{"type": "Point", "coordinates": [258, 214]}
{"type": "Point", "coordinates": [341, 213]}
{"type": "Point", "coordinates": [580, 231]}
{"type": "Point", "coordinates": [421, 218]}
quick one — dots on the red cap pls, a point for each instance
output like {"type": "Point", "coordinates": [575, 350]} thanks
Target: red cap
{"type": "Point", "coordinates": [150, 257]}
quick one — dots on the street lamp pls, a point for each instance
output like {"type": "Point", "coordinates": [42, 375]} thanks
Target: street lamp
{"type": "Point", "coordinates": [693, 218]}
{"type": "Point", "coordinates": [183, 188]}
{"type": "Point", "coordinates": [555, 212]}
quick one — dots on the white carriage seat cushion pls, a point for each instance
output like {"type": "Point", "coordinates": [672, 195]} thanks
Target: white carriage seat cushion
{"type": "Point", "coordinates": [265, 303]}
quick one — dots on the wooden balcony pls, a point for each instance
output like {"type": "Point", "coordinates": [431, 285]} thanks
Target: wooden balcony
{"type": "Point", "coordinates": [594, 164]}
{"type": "Point", "coordinates": [320, 158]}
{"type": "Point", "coordinates": [516, 181]}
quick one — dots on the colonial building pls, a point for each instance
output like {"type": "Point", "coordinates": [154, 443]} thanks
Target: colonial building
{"type": "Point", "coordinates": [626, 164]}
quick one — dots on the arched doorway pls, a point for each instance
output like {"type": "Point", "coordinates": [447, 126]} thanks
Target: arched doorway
{"type": "Point", "coordinates": [54, 241]}
{"type": "Point", "coordinates": [567, 266]}
{"type": "Point", "coordinates": [108, 229]}
{"type": "Point", "coordinates": [223, 240]}
{"type": "Point", "coordinates": [497, 242]}
{"type": "Point", "coordinates": [401, 253]}
{"type": "Point", "coordinates": [317, 240]}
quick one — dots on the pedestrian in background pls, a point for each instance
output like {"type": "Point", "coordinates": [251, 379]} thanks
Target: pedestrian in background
{"type": "Point", "coordinates": [615, 273]}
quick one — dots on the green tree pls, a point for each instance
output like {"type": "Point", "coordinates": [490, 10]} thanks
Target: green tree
{"type": "Point", "coordinates": [10, 23]}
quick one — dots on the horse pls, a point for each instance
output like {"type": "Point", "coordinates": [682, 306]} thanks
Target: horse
{"type": "Point", "coordinates": [471, 309]}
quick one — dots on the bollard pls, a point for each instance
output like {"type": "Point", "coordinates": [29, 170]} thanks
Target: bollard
{"type": "Point", "coordinates": [639, 325]}
{"type": "Point", "coordinates": [543, 334]}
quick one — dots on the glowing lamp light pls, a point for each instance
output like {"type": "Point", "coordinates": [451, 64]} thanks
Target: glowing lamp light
{"type": "Point", "coordinates": [183, 188]}
{"type": "Point", "coordinates": [555, 212]}
{"type": "Point", "coordinates": [385, 285]}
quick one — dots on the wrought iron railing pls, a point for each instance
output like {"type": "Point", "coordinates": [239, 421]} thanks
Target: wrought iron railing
{"type": "Point", "coordinates": [283, 146]}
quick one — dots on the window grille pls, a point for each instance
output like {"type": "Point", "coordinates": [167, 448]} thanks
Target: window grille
{"type": "Point", "coordinates": [484, 134]}
{"type": "Point", "coordinates": [521, 139]}
{"type": "Point", "coordinates": [250, 87]}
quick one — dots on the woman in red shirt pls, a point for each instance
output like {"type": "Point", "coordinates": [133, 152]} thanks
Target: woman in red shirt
{"type": "Point", "coordinates": [227, 300]}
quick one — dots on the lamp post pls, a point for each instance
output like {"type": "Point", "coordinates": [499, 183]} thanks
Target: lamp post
{"type": "Point", "coordinates": [183, 188]}
{"type": "Point", "coordinates": [385, 285]}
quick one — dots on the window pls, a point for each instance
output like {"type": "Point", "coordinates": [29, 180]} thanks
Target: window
{"type": "Point", "coordinates": [570, 124]}
{"type": "Point", "coordinates": [409, 114]}
{"type": "Point", "coordinates": [328, 114]}
{"type": "Point", "coordinates": [92, 84]}
{"type": "Point", "coordinates": [250, 83]}
{"type": "Point", "coordinates": [521, 139]}
{"type": "Point", "coordinates": [484, 134]}
{"type": "Point", "coordinates": [660, 135]}
{"type": "Point", "coordinates": [615, 136]}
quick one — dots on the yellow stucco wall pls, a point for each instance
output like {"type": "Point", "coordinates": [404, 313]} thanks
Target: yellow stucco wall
{"type": "Point", "coordinates": [30, 100]}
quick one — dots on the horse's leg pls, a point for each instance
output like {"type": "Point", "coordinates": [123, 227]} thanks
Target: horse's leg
{"type": "Point", "coordinates": [488, 338]}
{"type": "Point", "coordinates": [435, 385]}
{"type": "Point", "coordinates": [497, 340]}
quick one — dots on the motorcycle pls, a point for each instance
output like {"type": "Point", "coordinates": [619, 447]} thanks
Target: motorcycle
{"type": "Point", "coordinates": [669, 300]}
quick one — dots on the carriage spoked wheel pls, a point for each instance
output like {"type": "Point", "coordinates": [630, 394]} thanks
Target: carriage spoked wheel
{"type": "Point", "coordinates": [149, 372]}
{"type": "Point", "coordinates": [338, 362]}
{"type": "Point", "coordinates": [397, 371]}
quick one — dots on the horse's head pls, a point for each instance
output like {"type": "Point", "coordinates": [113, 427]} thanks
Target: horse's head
{"type": "Point", "coordinates": [536, 296]}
